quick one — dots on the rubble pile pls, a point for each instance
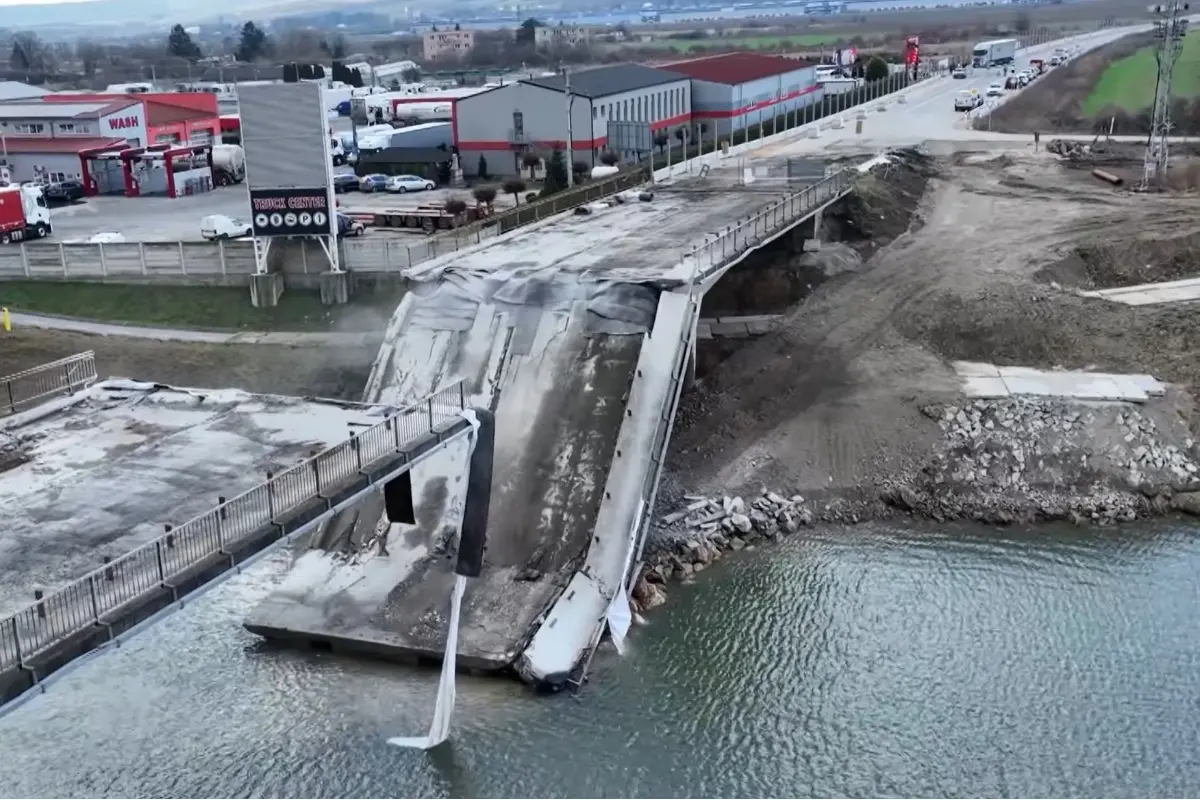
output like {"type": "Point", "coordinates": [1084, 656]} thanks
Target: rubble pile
{"type": "Point", "coordinates": [706, 528]}
{"type": "Point", "coordinates": [1030, 458]}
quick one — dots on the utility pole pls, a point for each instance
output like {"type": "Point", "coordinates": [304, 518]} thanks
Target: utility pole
{"type": "Point", "coordinates": [1169, 30]}
{"type": "Point", "coordinates": [570, 154]}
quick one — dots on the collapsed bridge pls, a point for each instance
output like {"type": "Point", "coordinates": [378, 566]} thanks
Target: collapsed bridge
{"type": "Point", "coordinates": [579, 335]}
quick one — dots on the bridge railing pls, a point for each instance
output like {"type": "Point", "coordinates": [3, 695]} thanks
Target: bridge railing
{"type": "Point", "coordinates": [85, 602]}
{"type": "Point", "coordinates": [24, 390]}
{"type": "Point", "coordinates": [712, 255]}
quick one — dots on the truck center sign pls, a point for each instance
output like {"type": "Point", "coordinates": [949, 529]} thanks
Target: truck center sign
{"type": "Point", "coordinates": [289, 212]}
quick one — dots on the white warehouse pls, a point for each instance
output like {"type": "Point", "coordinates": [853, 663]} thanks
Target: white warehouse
{"type": "Point", "coordinates": [503, 123]}
{"type": "Point", "coordinates": [732, 91]}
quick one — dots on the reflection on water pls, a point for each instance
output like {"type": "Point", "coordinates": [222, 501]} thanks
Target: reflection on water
{"type": "Point", "coordinates": [869, 661]}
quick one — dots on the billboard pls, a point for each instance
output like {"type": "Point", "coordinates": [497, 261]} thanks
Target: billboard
{"type": "Point", "coordinates": [912, 50]}
{"type": "Point", "coordinates": [285, 136]}
{"type": "Point", "coordinates": [290, 212]}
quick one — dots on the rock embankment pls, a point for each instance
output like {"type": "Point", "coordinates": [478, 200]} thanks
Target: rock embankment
{"type": "Point", "coordinates": [1029, 459]}
{"type": "Point", "coordinates": [1001, 461]}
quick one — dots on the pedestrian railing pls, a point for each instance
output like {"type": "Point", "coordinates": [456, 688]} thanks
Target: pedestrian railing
{"type": "Point", "coordinates": [708, 258]}
{"type": "Point", "coordinates": [24, 390]}
{"type": "Point", "coordinates": [101, 594]}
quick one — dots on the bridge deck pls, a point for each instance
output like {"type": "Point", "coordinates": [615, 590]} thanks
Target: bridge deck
{"type": "Point", "coordinates": [546, 327]}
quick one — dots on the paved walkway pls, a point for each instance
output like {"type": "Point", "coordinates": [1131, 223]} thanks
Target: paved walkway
{"type": "Point", "coordinates": [22, 319]}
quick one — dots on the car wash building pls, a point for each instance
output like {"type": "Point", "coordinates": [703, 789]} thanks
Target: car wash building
{"type": "Point", "coordinates": [504, 123]}
{"type": "Point", "coordinates": [112, 144]}
{"type": "Point", "coordinates": [733, 91]}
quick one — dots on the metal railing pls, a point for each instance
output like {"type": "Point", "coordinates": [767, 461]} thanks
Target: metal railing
{"type": "Point", "coordinates": [85, 602]}
{"type": "Point", "coordinates": [709, 257]}
{"type": "Point", "coordinates": [23, 390]}
{"type": "Point", "coordinates": [205, 261]}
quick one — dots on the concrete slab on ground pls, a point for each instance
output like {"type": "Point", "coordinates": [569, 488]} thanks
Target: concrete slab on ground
{"type": "Point", "coordinates": [991, 381]}
{"type": "Point", "coordinates": [1183, 291]}
{"type": "Point", "coordinates": [102, 476]}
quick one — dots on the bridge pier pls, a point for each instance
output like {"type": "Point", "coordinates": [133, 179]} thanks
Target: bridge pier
{"type": "Point", "coordinates": [806, 236]}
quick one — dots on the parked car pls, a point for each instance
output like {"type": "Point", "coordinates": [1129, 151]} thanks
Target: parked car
{"type": "Point", "coordinates": [348, 226]}
{"type": "Point", "coordinates": [959, 74]}
{"type": "Point", "coordinates": [409, 183]}
{"type": "Point", "coordinates": [995, 90]}
{"type": "Point", "coordinates": [219, 226]}
{"type": "Point", "coordinates": [345, 182]}
{"type": "Point", "coordinates": [373, 183]}
{"type": "Point", "coordinates": [63, 192]}
{"type": "Point", "coordinates": [106, 237]}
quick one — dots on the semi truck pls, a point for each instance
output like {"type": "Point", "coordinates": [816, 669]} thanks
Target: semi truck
{"type": "Point", "coordinates": [23, 213]}
{"type": "Point", "coordinates": [996, 53]}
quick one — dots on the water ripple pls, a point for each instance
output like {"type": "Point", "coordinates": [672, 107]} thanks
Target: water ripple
{"type": "Point", "coordinates": [885, 660]}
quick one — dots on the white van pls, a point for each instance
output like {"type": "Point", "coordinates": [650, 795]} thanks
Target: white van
{"type": "Point", "coordinates": [337, 151]}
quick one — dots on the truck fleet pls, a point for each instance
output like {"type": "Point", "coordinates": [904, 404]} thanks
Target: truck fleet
{"type": "Point", "coordinates": [24, 213]}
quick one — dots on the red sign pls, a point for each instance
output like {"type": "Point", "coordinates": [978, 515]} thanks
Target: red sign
{"type": "Point", "coordinates": [912, 50]}
{"type": "Point", "coordinates": [123, 123]}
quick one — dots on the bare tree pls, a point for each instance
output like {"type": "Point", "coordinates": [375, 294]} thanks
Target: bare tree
{"type": "Point", "coordinates": [90, 55]}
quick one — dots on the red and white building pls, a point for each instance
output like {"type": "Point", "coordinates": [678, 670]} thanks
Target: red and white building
{"type": "Point", "coordinates": [732, 91]}
{"type": "Point", "coordinates": [148, 144]}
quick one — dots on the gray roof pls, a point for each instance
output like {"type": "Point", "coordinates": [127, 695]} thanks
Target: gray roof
{"type": "Point", "coordinates": [615, 79]}
{"type": "Point", "coordinates": [48, 110]}
{"type": "Point", "coordinates": [15, 90]}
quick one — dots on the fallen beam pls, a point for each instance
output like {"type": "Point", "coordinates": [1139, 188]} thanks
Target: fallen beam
{"type": "Point", "coordinates": [1108, 177]}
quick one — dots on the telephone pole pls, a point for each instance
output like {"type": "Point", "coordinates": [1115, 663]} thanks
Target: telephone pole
{"type": "Point", "coordinates": [570, 154]}
{"type": "Point", "coordinates": [1169, 29]}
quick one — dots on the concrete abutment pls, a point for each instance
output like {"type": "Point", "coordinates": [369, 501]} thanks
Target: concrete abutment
{"type": "Point", "coordinates": [266, 289]}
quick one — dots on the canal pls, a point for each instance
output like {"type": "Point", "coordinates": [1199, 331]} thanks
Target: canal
{"type": "Point", "coordinates": [870, 661]}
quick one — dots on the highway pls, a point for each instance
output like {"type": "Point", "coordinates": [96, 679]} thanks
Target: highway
{"type": "Point", "coordinates": [559, 329]}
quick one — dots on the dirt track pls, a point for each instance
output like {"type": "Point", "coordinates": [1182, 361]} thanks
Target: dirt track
{"type": "Point", "coordinates": [833, 400]}
{"type": "Point", "coordinates": [325, 372]}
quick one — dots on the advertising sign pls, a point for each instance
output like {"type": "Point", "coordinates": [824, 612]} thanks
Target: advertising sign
{"type": "Point", "coordinates": [289, 212]}
{"type": "Point", "coordinates": [911, 50]}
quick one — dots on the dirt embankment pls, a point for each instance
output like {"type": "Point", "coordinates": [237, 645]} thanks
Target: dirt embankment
{"type": "Point", "coordinates": [851, 409]}
{"type": "Point", "coordinates": [338, 372]}
{"type": "Point", "coordinates": [1054, 103]}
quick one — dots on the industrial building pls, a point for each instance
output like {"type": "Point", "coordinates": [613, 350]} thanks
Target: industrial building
{"type": "Point", "coordinates": [503, 123]}
{"type": "Point", "coordinates": [112, 143]}
{"type": "Point", "coordinates": [732, 91]}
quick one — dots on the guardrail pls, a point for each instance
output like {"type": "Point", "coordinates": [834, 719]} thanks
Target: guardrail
{"type": "Point", "coordinates": [102, 593]}
{"type": "Point", "coordinates": [707, 258]}
{"type": "Point", "coordinates": [209, 260]}
{"type": "Point", "coordinates": [23, 390]}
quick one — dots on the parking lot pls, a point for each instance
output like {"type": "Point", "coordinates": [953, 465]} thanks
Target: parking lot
{"type": "Point", "coordinates": [161, 219]}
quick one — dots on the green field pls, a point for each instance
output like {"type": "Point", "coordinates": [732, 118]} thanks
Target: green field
{"type": "Point", "coordinates": [200, 307]}
{"type": "Point", "coordinates": [1128, 84]}
{"type": "Point", "coordinates": [796, 42]}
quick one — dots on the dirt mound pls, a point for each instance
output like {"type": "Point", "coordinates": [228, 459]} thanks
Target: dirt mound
{"type": "Point", "coordinates": [833, 404]}
{"type": "Point", "coordinates": [1128, 262]}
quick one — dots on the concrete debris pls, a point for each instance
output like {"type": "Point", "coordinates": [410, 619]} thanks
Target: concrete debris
{"type": "Point", "coordinates": [1026, 458]}
{"type": "Point", "coordinates": [1068, 149]}
{"type": "Point", "coordinates": [707, 528]}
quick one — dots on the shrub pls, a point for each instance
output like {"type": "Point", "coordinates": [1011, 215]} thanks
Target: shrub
{"type": "Point", "coordinates": [515, 187]}
{"type": "Point", "coordinates": [531, 161]}
{"type": "Point", "coordinates": [485, 195]}
{"type": "Point", "coordinates": [610, 158]}
{"type": "Point", "coordinates": [580, 168]}
{"type": "Point", "coordinates": [456, 205]}
{"type": "Point", "coordinates": [530, 197]}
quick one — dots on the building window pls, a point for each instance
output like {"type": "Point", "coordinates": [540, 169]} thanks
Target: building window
{"type": "Point", "coordinates": [595, 112]}
{"type": "Point", "coordinates": [29, 127]}
{"type": "Point", "coordinates": [68, 127]}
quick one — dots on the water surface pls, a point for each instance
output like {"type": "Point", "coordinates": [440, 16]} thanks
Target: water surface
{"type": "Point", "coordinates": [863, 662]}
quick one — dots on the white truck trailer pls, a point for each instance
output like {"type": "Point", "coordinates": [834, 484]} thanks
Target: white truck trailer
{"type": "Point", "coordinates": [996, 53]}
